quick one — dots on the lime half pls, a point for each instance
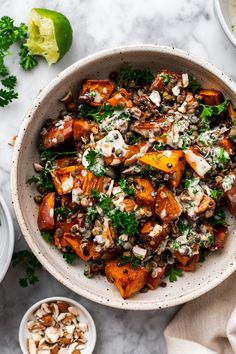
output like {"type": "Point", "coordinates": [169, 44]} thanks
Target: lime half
{"type": "Point", "coordinates": [50, 34]}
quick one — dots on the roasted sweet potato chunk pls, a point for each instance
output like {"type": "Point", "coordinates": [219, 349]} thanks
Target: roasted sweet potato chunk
{"type": "Point", "coordinates": [157, 129]}
{"type": "Point", "coordinates": [145, 192]}
{"type": "Point", "coordinates": [167, 207]}
{"type": "Point", "coordinates": [211, 96]}
{"type": "Point", "coordinates": [96, 92]}
{"type": "Point", "coordinates": [228, 145]}
{"type": "Point", "coordinates": [154, 278]}
{"type": "Point", "coordinates": [121, 98]}
{"type": "Point", "coordinates": [63, 178]}
{"type": "Point", "coordinates": [127, 280]}
{"type": "Point", "coordinates": [191, 265]}
{"type": "Point", "coordinates": [84, 249]}
{"type": "Point", "coordinates": [197, 162]}
{"type": "Point", "coordinates": [58, 133]}
{"type": "Point", "coordinates": [152, 234]}
{"type": "Point", "coordinates": [169, 161]}
{"type": "Point", "coordinates": [46, 213]}
{"type": "Point", "coordinates": [181, 259]}
{"type": "Point", "coordinates": [129, 205]}
{"type": "Point", "coordinates": [219, 238]}
{"type": "Point", "coordinates": [230, 194]}
{"type": "Point", "coordinates": [81, 128]}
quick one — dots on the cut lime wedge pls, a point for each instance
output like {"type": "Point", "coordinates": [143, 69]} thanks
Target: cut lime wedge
{"type": "Point", "coordinates": [50, 34]}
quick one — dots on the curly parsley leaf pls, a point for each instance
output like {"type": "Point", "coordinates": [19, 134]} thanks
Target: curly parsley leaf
{"type": "Point", "coordinates": [69, 257]}
{"type": "Point", "coordinates": [7, 96]}
{"type": "Point", "coordinates": [97, 113]}
{"type": "Point", "coordinates": [47, 236]}
{"type": "Point", "coordinates": [125, 187]}
{"type": "Point", "coordinates": [194, 86]}
{"type": "Point", "coordinates": [165, 78]}
{"type": "Point", "coordinates": [91, 215]}
{"type": "Point", "coordinates": [125, 222]}
{"type": "Point", "coordinates": [127, 74]}
{"type": "Point", "coordinates": [211, 111]}
{"type": "Point", "coordinates": [95, 165]}
{"type": "Point", "coordinates": [9, 82]}
{"type": "Point", "coordinates": [43, 179]}
{"type": "Point", "coordinates": [132, 260]}
{"type": "Point", "coordinates": [30, 263]}
{"type": "Point", "coordinates": [219, 217]}
{"type": "Point", "coordinates": [27, 61]}
{"type": "Point", "coordinates": [216, 193]}
{"type": "Point", "coordinates": [173, 273]}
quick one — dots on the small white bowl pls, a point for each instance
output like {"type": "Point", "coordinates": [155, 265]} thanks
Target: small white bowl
{"type": "Point", "coordinates": [222, 8]}
{"type": "Point", "coordinates": [6, 238]}
{"type": "Point", "coordinates": [84, 316]}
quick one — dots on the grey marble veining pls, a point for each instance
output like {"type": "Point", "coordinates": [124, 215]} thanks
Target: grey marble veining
{"type": "Point", "coordinates": [98, 24]}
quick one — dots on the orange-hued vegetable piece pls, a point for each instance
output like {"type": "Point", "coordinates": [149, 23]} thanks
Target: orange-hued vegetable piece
{"type": "Point", "coordinates": [46, 213]}
{"type": "Point", "coordinates": [127, 280]}
{"type": "Point", "coordinates": [156, 237]}
{"type": "Point", "coordinates": [147, 228]}
{"type": "Point", "coordinates": [121, 98]}
{"type": "Point", "coordinates": [157, 129]}
{"type": "Point", "coordinates": [145, 192]}
{"type": "Point", "coordinates": [197, 162]}
{"type": "Point", "coordinates": [153, 282]}
{"type": "Point", "coordinates": [167, 207]}
{"type": "Point", "coordinates": [228, 145]}
{"type": "Point", "coordinates": [129, 205]}
{"type": "Point", "coordinates": [81, 129]}
{"type": "Point", "coordinates": [211, 96]}
{"type": "Point", "coordinates": [219, 238]}
{"type": "Point", "coordinates": [63, 179]}
{"type": "Point", "coordinates": [181, 259]}
{"type": "Point", "coordinates": [57, 134]}
{"type": "Point", "coordinates": [60, 242]}
{"type": "Point", "coordinates": [205, 204]}
{"type": "Point", "coordinates": [133, 152]}
{"type": "Point", "coordinates": [85, 250]}
{"type": "Point", "coordinates": [191, 265]}
{"type": "Point", "coordinates": [231, 112]}
{"type": "Point", "coordinates": [230, 196]}
{"type": "Point", "coordinates": [96, 92]}
{"type": "Point", "coordinates": [169, 161]}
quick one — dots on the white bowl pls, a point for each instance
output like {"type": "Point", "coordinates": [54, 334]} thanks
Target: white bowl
{"type": "Point", "coordinates": [223, 11]}
{"type": "Point", "coordinates": [84, 317]}
{"type": "Point", "coordinates": [209, 274]}
{"type": "Point", "coordinates": [6, 238]}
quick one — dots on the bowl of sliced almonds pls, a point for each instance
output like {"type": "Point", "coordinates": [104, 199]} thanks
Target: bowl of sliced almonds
{"type": "Point", "coordinates": [57, 325]}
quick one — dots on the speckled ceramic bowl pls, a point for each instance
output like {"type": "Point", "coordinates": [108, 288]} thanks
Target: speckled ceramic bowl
{"type": "Point", "coordinates": [209, 274]}
{"type": "Point", "coordinates": [224, 11]}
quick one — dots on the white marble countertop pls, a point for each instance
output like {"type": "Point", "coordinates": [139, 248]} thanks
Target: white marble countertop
{"type": "Point", "coordinates": [98, 24]}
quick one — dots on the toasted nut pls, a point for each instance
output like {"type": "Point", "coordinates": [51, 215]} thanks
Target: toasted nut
{"type": "Point", "coordinates": [47, 320]}
{"type": "Point", "coordinates": [31, 346]}
{"type": "Point", "coordinates": [62, 306]}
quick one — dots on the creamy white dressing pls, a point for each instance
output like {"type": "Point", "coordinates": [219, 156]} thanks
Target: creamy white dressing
{"type": "Point", "coordinates": [202, 166]}
{"type": "Point", "coordinates": [155, 97]}
{"type": "Point", "coordinates": [228, 182]}
{"type": "Point", "coordinates": [97, 98]}
{"type": "Point", "coordinates": [67, 184]}
{"type": "Point", "coordinates": [76, 193]}
{"type": "Point", "coordinates": [157, 229]}
{"type": "Point", "coordinates": [139, 252]}
{"type": "Point", "coordinates": [111, 143]}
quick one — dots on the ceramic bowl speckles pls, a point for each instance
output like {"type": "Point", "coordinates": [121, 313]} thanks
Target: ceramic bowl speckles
{"type": "Point", "coordinates": [209, 274]}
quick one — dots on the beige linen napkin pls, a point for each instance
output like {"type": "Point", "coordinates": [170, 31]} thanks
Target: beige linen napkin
{"type": "Point", "coordinates": [206, 325]}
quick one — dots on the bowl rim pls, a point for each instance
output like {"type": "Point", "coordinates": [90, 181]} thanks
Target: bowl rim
{"type": "Point", "coordinates": [223, 23]}
{"type": "Point", "coordinates": [11, 237]}
{"type": "Point", "coordinates": [115, 303]}
{"type": "Point", "coordinates": [51, 299]}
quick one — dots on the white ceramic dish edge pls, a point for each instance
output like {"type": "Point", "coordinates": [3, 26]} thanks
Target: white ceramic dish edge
{"type": "Point", "coordinates": [157, 304]}
{"type": "Point", "coordinates": [226, 28]}
{"type": "Point", "coordinates": [10, 235]}
{"type": "Point", "coordinates": [92, 329]}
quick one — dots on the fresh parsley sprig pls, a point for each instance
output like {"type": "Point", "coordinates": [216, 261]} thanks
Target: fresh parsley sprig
{"type": "Point", "coordinates": [125, 187]}
{"type": "Point", "coordinates": [30, 263]}
{"type": "Point", "coordinates": [173, 273]}
{"type": "Point", "coordinates": [132, 260]}
{"type": "Point", "coordinates": [95, 165]}
{"type": "Point", "coordinates": [97, 113]}
{"type": "Point", "coordinates": [27, 61]}
{"type": "Point", "coordinates": [127, 74]}
{"type": "Point", "coordinates": [209, 112]}
{"type": "Point", "coordinates": [69, 257]}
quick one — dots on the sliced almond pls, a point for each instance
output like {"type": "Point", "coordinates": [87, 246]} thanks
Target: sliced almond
{"type": "Point", "coordinates": [45, 307]}
{"type": "Point", "coordinates": [48, 320]}
{"type": "Point", "coordinates": [63, 351]}
{"type": "Point", "coordinates": [52, 334]}
{"type": "Point", "coordinates": [83, 326]}
{"type": "Point", "coordinates": [62, 306]}
{"type": "Point", "coordinates": [74, 310]}
{"type": "Point", "coordinates": [70, 329]}
{"type": "Point", "coordinates": [31, 346]}
{"type": "Point", "coordinates": [55, 311]}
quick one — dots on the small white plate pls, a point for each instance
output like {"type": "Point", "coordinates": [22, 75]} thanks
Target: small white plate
{"type": "Point", "coordinates": [223, 11]}
{"type": "Point", "coordinates": [84, 317]}
{"type": "Point", "coordinates": [6, 238]}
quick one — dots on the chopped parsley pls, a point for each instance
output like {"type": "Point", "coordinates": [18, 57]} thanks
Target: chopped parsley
{"type": "Point", "coordinates": [125, 187]}
{"type": "Point", "coordinates": [43, 179]}
{"type": "Point", "coordinates": [158, 146]}
{"type": "Point", "coordinates": [183, 226]}
{"type": "Point", "coordinates": [64, 211]}
{"type": "Point", "coordinates": [104, 201]}
{"type": "Point", "coordinates": [7, 96]}
{"type": "Point", "coordinates": [47, 236]}
{"type": "Point", "coordinates": [209, 111]}
{"type": "Point", "coordinates": [69, 257]}
{"type": "Point", "coordinates": [219, 217]}
{"type": "Point", "coordinates": [165, 78]}
{"type": "Point", "coordinates": [194, 85]}
{"type": "Point", "coordinates": [127, 74]}
{"type": "Point", "coordinates": [91, 214]}
{"type": "Point", "coordinates": [125, 222]}
{"type": "Point", "coordinates": [221, 157]}
{"type": "Point", "coordinates": [9, 82]}
{"type": "Point", "coordinates": [95, 165]}
{"type": "Point", "coordinates": [216, 193]}
{"type": "Point", "coordinates": [27, 61]}
{"type": "Point", "coordinates": [98, 113]}
{"type": "Point", "coordinates": [173, 273]}
{"type": "Point", "coordinates": [176, 245]}
{"type": "Point", "coordinates": [30, 263]}
{"type": "Point", "coordinates": [132, 260]}
{"type": "Point", "coordinates": [133, 139]}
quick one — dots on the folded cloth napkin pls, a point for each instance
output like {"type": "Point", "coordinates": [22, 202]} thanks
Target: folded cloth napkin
{"type": "Point", "coordinates": [206, 325]}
